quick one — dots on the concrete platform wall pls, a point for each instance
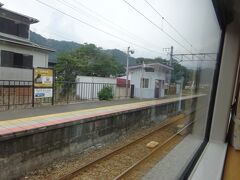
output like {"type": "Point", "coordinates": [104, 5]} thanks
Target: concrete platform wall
{"type": "Point", "coordinates": [28, 152]}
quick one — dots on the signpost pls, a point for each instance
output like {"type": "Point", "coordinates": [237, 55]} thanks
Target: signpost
{"type": "Point", "coordinates": [42, 83]}
{"type": "Point", "coordinates": [43, 78]}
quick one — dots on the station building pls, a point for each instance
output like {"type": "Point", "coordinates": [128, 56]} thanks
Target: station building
{"type": "Point", "coordinates": [150, 80]}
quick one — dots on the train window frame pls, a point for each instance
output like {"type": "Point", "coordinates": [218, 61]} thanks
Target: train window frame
{"type": "Point", "coordinates": [212, 151]}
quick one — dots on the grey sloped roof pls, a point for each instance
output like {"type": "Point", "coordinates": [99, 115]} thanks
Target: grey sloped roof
{"type": "Point", "coordinates": [151, 65]}
{"type": "Point", "coordinates": [6, 13]}
{"type": "Point", "coordinates": [21, 42]}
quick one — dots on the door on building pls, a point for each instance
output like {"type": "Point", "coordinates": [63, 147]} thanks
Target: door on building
{"type": "Point", "coordinates": [158, 85]}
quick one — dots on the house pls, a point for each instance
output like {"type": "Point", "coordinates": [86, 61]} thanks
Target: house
{"type": "Point", "coordinates": [150, 80]}
{"type": "Point", "coordinates": [18, 56]}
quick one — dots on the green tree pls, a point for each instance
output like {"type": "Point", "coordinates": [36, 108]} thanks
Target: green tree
{"type": "Point", "coordinates": [180, 71]}
{"type": "Point", "coordinates": [87, 60]}
{"type": "Point", "coordinates": [66, 71]}
{"type": "Point", "coordinates": [67, 67]}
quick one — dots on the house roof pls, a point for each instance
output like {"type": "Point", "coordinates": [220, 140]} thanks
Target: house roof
{"type": "Point", "coordinates": [10, 39]}
{"type": "Point", "coordinates": [151, 65]}
{"type": "Point", "coordinates": [16, 16]}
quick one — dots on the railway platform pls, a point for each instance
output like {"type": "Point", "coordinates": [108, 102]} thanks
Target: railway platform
{"type": "Point", "coordinates": [40, 136]}
{"type": "Point", "coordinates": [20, 122]}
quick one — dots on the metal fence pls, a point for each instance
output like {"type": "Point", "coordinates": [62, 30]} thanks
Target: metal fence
{"type": "Point", "coordinates": [19, 94]}
{"type": "Point", "coordinates": [15, 93]}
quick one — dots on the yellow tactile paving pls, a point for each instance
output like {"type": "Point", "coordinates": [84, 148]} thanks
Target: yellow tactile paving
{"type": "Point", "coordinates": [49, 119]}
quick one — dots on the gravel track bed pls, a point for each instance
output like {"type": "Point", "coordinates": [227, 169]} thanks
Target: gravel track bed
{"type": "Point", "coordinates": [110, 168]}
{"type": "Point", "coordinates": [69, 164]}
{"type": "Point", "coordinates": [140, 170]}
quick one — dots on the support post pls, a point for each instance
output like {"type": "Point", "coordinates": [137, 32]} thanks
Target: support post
{"type": "Point", "coordinates": [53, 88]}
{"type": "Point", "coordinates": [171, 55]}
{"type": "Point", "coordinates": [33, 87]}
{"type": "Point", "coordinates": [127, 73]}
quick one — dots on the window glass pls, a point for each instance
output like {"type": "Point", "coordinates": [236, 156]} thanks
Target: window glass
{"type": "Point", "coordinates": [130, 74]}
{"type": "Point", "coordinates": [145, 83]}
{"type": "Point", "coordinates": [13, 28]}
{"type": "Point", "coordinates": [11, 59]}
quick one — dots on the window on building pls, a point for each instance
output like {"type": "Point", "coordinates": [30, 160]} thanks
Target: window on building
{"type": "Point", "coordinates": [12, 59]}
{"type": "Point", "coordinates": [144, 83]}
{"type": "Point", "coordinates": [149, 69]}
{"type": "Point", "coordinates": [13, 28]}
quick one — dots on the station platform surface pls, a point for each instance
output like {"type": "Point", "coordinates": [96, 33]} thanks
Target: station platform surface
{"type": "Point", "coordinates": [46, 110]}
{"type": "Point", "coordinates": [12, 122]}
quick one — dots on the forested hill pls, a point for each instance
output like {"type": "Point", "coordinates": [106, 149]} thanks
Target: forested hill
{"type": "Point", "coordinates": [64, 46]}
{"type": "Point", "coordinates": [121, 57]}
{"type": "Point", "coordinates": [58, 46]}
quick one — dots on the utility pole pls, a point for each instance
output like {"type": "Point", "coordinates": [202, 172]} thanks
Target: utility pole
{"type": "Point", "coordinates": [171, 55]}
{"type": "Point", "coordinates": [141, 81]}
{"type": "Point", "coordinates": [180, 94]}
{"type": "Point", "coordinates": [127, 71]}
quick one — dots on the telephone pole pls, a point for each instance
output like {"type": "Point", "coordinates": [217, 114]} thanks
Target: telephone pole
{"type": "Point", "coordinates": [127, 71]}
{"type": "Point", "coordinates": [169, 51]}
{"type": "Point", "coordinates": [171, 56]}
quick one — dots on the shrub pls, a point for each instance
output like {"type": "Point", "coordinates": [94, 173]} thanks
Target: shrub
{"type": "Point", "coordinates": [105, 93]}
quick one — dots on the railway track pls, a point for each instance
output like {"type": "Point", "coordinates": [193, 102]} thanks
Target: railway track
{"type": "Point", "coordinates": [119, 163]}
{"type": "Point", "coordinates": [127, 172]}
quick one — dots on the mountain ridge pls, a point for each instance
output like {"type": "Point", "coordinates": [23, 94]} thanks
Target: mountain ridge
{"type": "Point", "coordinates": [65, 46]}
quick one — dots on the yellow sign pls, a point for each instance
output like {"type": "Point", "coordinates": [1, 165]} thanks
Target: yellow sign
{"type": "Point", "coordinates": [43, 77]}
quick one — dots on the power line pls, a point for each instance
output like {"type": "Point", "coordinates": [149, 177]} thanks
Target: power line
{"type": "Point", "coordinates": [208, 60]}
{"type": "Point", "coordinates": [97, 16]}
{"type": "Point", "coordinates": [194, 60]}
{"type": "Point", "coordinates": [162, 28]}
{"type": "Point", "coordinates": [169, 23]}
{"type": "Point", "coordinates": [172, 26]}
{"type": "Point", "coordinates": [198, 55]}
{"type": "Point", "coordinates": [185, 39]}
{"type": "Point", "coordinates": [45, 28]}
{"type": "Point", "coordinates": [96, 28]}
{"type": "Point", "coordinates": [123, 30]}
{"type": "Point", "coordinates": [135, 9]}
{"type": "Point", "coordinates": [71, 6]}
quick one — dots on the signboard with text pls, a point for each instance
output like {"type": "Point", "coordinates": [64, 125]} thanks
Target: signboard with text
{"type": "Point", "coordinates": [42, 83]}
{"type": "Point", "coordinates": [43, 92]}
{"type": "Point", "coordinates": [43, 78]}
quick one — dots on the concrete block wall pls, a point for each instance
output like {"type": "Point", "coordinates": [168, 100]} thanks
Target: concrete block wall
{"type": "Point", "coordinates": [28, 152]}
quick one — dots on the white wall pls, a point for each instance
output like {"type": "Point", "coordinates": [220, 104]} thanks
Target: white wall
{"type": "Point", "coordinates": [87, 87]}
{"type": "Point", "coordinates": [144, 93]}
{"type": "Point", "coordinates": [40, 58]}
{"type": "Point", "coordinates": [8, 73]}
{"type": "Point", "coordinates": [92, 79]}
{"type": "Point", "coordinates": [137, 74]}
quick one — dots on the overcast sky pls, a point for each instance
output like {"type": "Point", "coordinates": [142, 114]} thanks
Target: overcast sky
{"type": "Point", "coordinates": [194, 19]}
